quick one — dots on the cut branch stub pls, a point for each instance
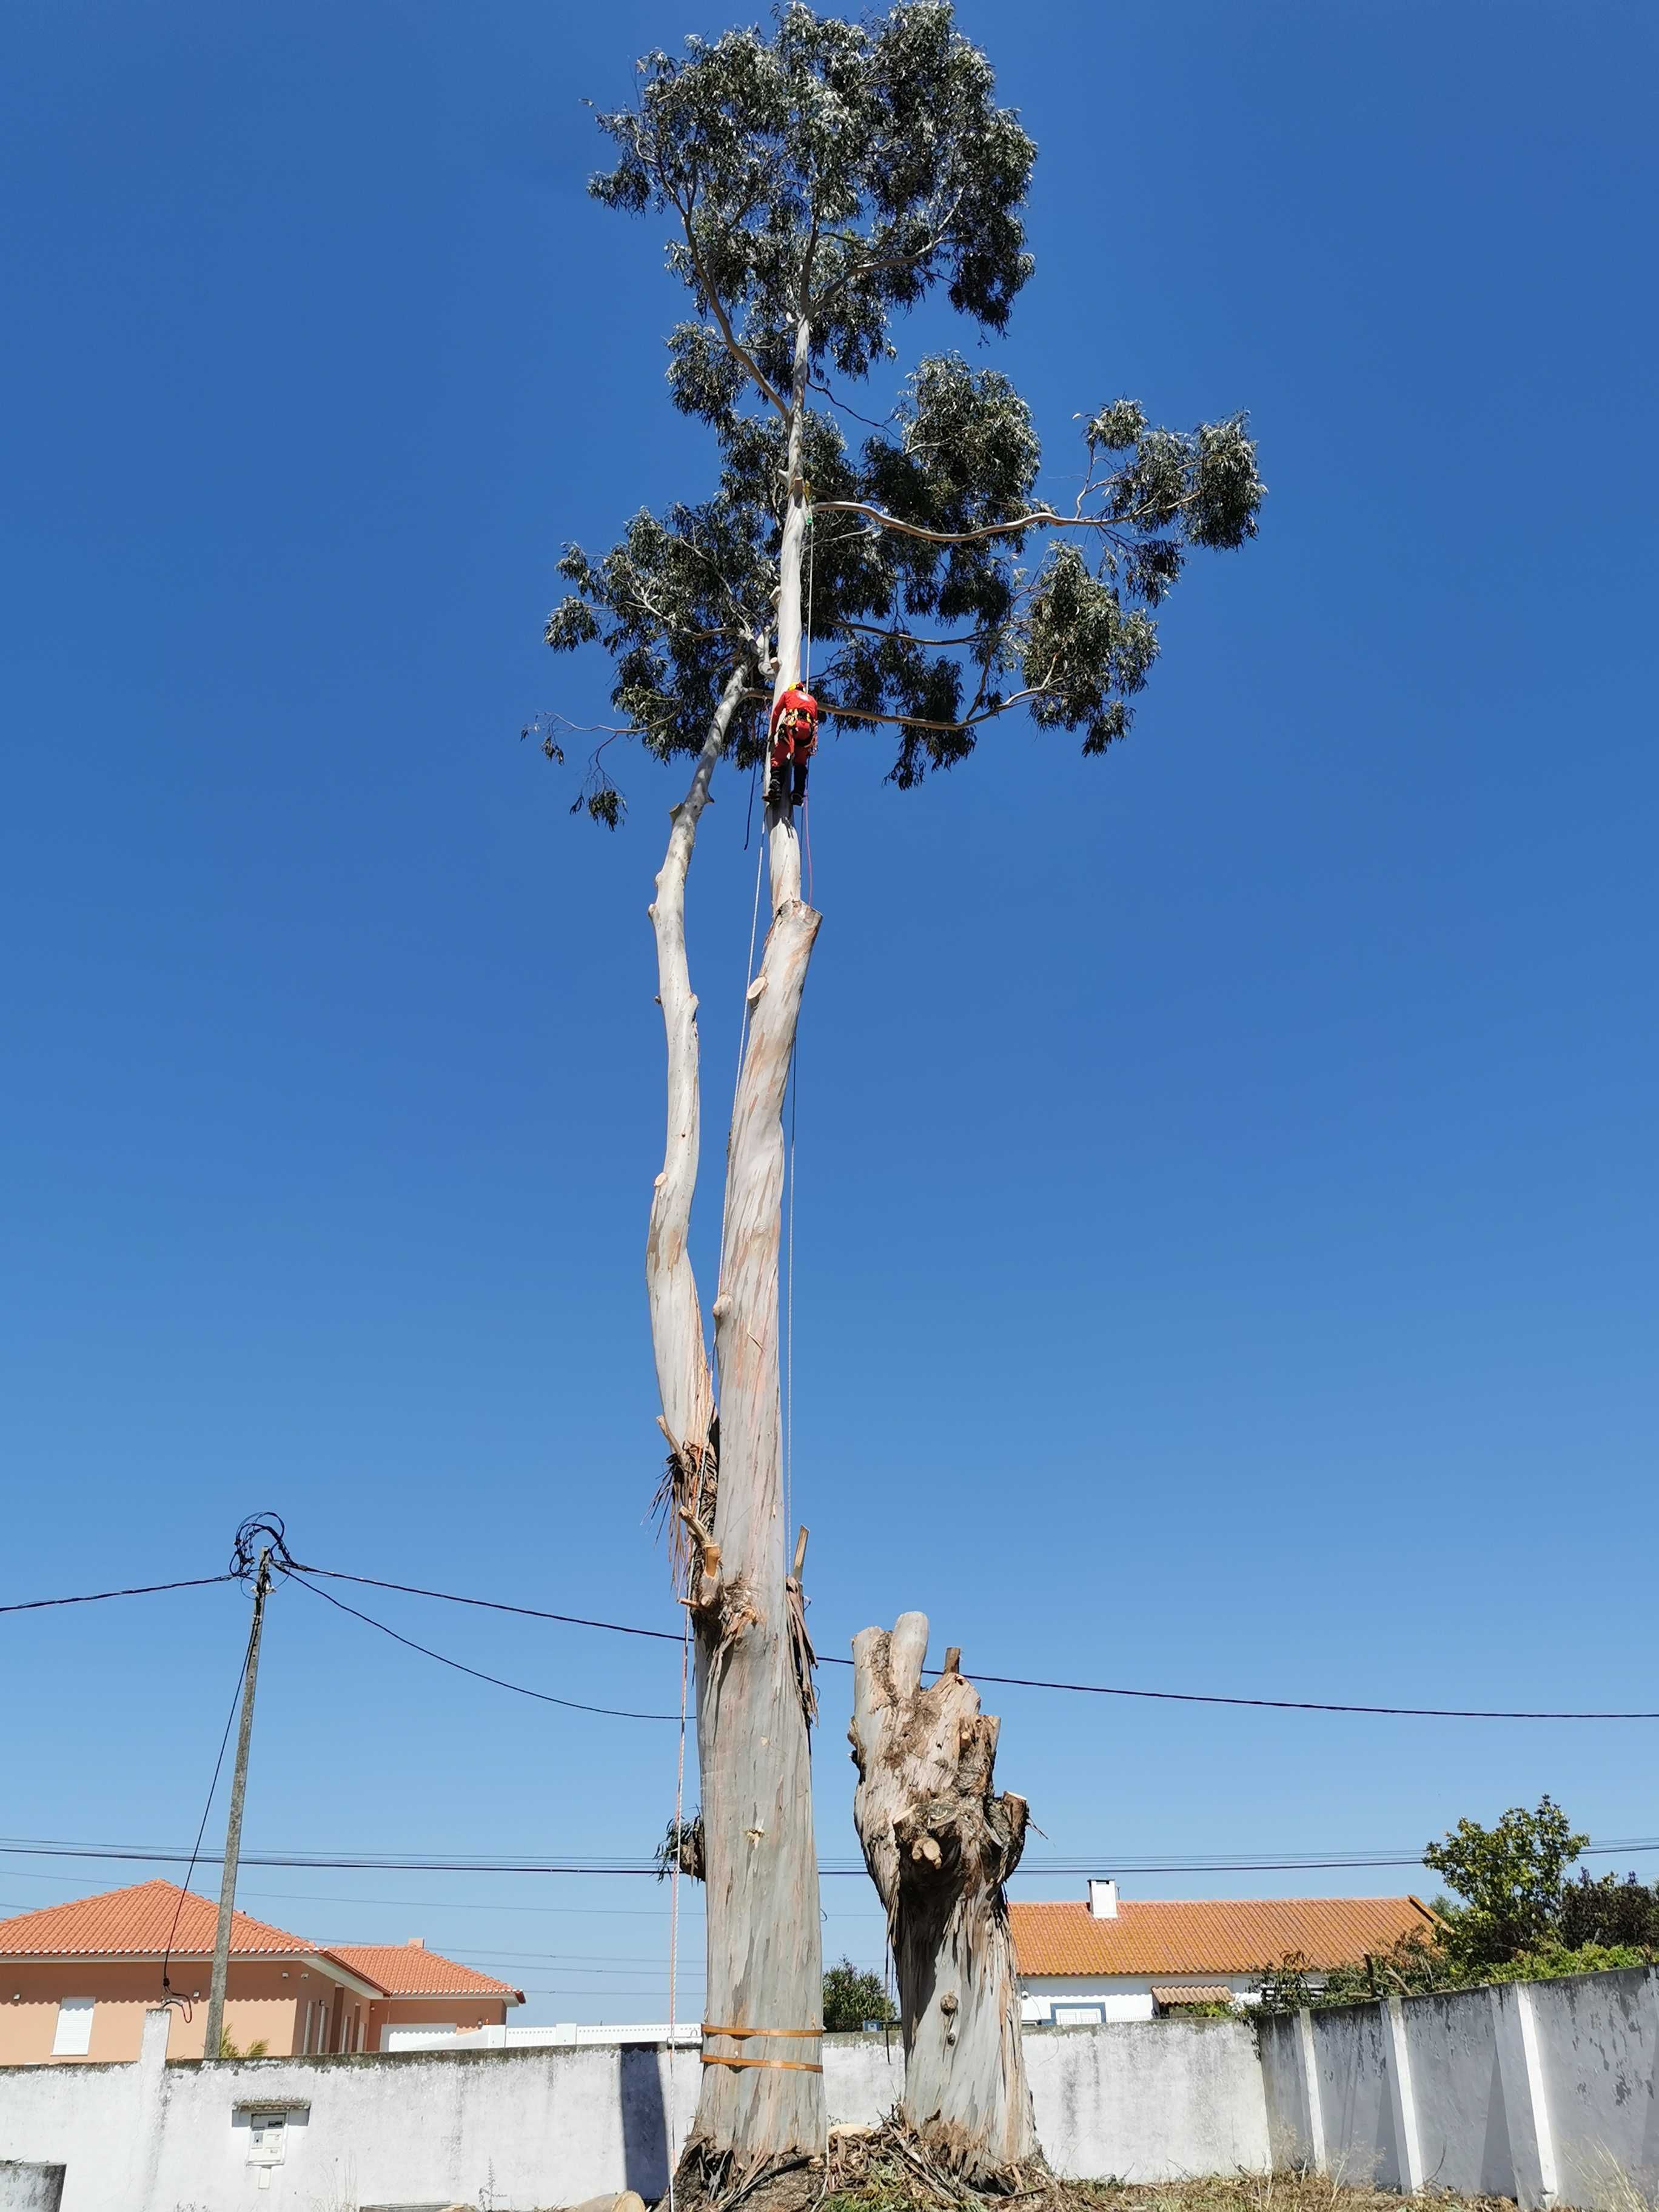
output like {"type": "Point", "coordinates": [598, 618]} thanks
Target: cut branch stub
{"type": "Point", "coordinates": [940, 1844]}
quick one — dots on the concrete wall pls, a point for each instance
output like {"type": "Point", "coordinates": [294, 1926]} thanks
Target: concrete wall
{"type": "Point", "coordinates": [1149, 2100]}
{"type": "Point", "coordinates": [1153, 2101]}
{"type": "Point", "coordinates": [30, 2188]}
{"type": "Point", "coordinates": [1547, 2092]}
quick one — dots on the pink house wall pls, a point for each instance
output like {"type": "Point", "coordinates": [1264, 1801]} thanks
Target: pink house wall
{"type": "Point", "coordinates": [262, 2003]}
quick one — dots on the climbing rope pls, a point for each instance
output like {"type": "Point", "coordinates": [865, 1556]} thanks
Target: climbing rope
{"type": "Point", "coordinates": [748, 975]}
{"type": "Point", "coordinates": [789, 1305]}
{"type": "Point", "coordinates": [811, 563]}
{"type": "Point", "coordinates": [674, 1901]}
{"type": "Point", "coordinates": [795, 1100]}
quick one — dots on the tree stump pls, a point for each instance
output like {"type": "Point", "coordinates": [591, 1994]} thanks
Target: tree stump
{"type": "Point", "coordinates": [939, 1845]}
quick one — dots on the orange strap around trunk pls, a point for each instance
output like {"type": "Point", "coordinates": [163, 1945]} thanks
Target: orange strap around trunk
{"type": "Point", "coordinates": [789, 2065]}
{"type": "Point", "coordinates": [742, 2035]}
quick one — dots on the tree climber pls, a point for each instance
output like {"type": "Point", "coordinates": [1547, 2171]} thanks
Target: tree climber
{"type": "Point", "coordinates": [794, 740]}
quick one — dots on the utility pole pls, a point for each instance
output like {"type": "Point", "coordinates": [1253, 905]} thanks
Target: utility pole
{"type": "Point", "coordinates": [216, 2012]}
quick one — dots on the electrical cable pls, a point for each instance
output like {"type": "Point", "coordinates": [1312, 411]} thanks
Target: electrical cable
{"type": "Point", "coordinates": [1030, 1682]}
{"type": "Point", "coordinates": [542, 1696]}
{"type": "Point", "coordinates": [97, 1597]}
{"type": "Point", "coordinates": [643, 1870]}
{"type": "Point", "coordinates": [491, 1604]}
{"type": "Point", "coordinates": [201, 1826]}
{"type": "Point", "coordinates": [827, 1659]}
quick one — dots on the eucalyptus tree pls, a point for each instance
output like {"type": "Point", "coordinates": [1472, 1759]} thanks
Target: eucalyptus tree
{"type": "Point", "coordinates": [817, 178]}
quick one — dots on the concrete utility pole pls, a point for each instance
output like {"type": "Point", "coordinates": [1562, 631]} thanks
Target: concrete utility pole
{"type": "Point", "coordinates": [215, 2011]}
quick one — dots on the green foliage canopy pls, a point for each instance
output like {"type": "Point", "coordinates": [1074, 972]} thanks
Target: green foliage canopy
{"type": "Point", "coordinates": [819, 179]}
{"type": "Point", "coordinates": [854, 1999]}
{"type": "Point", "coordinates": [1509, 1879]}
{"type": "Point", "coordinates": [1513, 1917]}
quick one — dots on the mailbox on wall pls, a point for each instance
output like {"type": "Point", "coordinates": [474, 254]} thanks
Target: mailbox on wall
{"type": "Point", "coordinates": [267, 2121]}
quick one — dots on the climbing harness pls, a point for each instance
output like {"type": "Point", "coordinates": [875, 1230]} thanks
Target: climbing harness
{"type": "Point", "coordinates": [794, 734]}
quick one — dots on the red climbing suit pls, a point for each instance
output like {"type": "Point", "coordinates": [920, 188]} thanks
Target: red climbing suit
{"type": "Point", "coordinates": [794, 740]}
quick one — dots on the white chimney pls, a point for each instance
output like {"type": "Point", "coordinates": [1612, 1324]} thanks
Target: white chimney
{"type": "Point", "coordinates": [1103, 1900]}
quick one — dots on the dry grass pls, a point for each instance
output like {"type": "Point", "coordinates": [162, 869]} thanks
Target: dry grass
{"type": "Point", "coordinates": [888, 2184]}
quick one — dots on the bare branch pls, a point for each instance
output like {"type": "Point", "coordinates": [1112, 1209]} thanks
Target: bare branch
{"type": "Point", "coordinates": [738, 352]}
{"type": "Point", "coordinates": [908, 637]}
{"type": "Point", "coordinates": [1039, 518]}
{"type": "Point", "coordinates": [917, 722]}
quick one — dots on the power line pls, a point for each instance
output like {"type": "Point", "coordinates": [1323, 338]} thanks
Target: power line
{"type": "Point", "coordinates": [826, 1659]}
{"type": "Point", "coordinates": [499, 1604]}
{"type": "Point", "coordinates": [1049, 1870]}
{"type": "Point", "coordinates": [542, 1696]}
{"type": "Point", "coordinates": [1026, 1681]}
{"type": "Point", "coordinates": [97, 1597]}
{"type": "Point", "coordinates": [201, 1829]}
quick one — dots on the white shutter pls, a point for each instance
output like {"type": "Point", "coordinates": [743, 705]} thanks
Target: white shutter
{"type": "Point", "coordinates": [74, 2036]}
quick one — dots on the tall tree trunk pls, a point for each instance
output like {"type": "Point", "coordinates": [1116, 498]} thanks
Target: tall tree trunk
{"type": "Point", "coordinates": [761, 2103]}
{"type": "Point", "coordinates": [762, 2094]}
{"type": "Point", "coordinates": [939, 1845]}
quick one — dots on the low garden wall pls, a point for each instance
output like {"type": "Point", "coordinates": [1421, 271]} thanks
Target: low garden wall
{"type": "Point", "coordinates": [1544, 2091]}
{"type": "Point", "coordinates": [512, 2129]}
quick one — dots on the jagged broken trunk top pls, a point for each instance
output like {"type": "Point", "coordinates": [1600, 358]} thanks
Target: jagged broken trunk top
{"type": "Point", "coordinates": [940, 1844]}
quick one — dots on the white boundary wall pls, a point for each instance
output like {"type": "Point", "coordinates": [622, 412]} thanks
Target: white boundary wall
{"type": "Point", "coordinates": [1543, 2091]}
{"type": "Point", "coordinates": [514, 2130]}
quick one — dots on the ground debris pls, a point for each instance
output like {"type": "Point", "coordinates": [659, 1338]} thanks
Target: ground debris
{"type": "Point", "coordinates": [886, 2170]}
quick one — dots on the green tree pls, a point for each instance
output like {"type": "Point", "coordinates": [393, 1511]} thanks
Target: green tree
{"type": "Point", "coordinates": [855, 1998]}
{"type": "Point", "coordinates": [1510, 1878]}
{"type": "Point", "coordinates": [1609, 1910]}
{"type": "Point", "coordinates": [818, 180]}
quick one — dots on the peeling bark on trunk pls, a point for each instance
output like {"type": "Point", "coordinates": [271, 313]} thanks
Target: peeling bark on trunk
{"type": "Point", "coordinates": [766, 2111]}
{"type": "Point", "coordinates": [764, 1969]}
{"type": "Point", "coordinates": [677, 1324]}
{"type": "Point", "coordinates": [762, 2107]}
{"type": "Point", "coordinates": [939, 1845]}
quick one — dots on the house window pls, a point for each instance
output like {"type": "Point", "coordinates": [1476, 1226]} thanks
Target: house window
{"type": "Point", "coordinates": [1080, 2015]}
{"type": "Point", "coordinates": [74, 2036]}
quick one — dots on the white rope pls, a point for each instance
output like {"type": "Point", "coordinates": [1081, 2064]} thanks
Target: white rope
{"type": "Point", "coordinates": [789, 1311]}
{"type": "Point", "coordinates": [806, 642]}
{"type": "Point", "coordinates": [795, 1098]}
{"type": "Point", "coordinates": [674, 1905]}
{"type": "Point", "coordinates": [748, 970]}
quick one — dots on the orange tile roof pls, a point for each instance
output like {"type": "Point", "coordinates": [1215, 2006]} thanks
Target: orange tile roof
{"type": "Point", "coordinates": [1210, 1936]}
{"type": "Point", "coordinates": [410, 1970]}
{"type": "Point", "coordinates": [1192, 1993]}
{"type": "Point", "coordinates": [139, 1921]}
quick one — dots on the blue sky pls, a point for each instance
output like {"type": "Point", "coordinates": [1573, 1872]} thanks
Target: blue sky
{"type": "Point", "coordinates": [1226, 1179]}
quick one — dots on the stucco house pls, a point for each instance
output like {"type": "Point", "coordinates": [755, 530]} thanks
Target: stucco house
{"type": "Point", "coordinates": [75, 1980]}
{"type": "Point", "coordinates": [1108, 1958]}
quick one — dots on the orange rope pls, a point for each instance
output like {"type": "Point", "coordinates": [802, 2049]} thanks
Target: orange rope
{"type": "Point", "coordinates": [739, 2032]}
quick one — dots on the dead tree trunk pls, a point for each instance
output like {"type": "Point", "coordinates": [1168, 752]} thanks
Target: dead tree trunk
{"type": "Point", "coordinates": [939, 1847]}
